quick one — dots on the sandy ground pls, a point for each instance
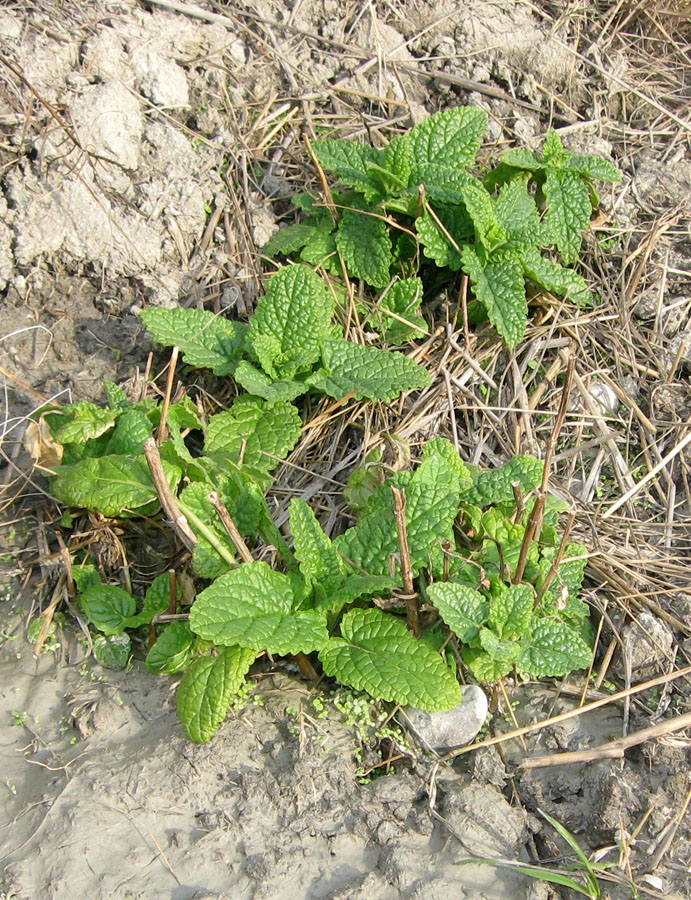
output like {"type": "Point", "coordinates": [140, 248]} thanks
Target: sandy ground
{"type": "Point", "coordinates": [146, 155]}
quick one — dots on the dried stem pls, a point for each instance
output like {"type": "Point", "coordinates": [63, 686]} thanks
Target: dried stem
{"type": "Point", "coordinates": [165, 495]}
{"type": "Point", "coordinates": [173, 590]}
{"type": "Point", "coordinates": [162, 433]}
{"type": "Point", "coordinates": [411, 600]}
{"type": "Point", "coordinates": [230, 527]}
{"type": "Point", "coordinates": [520, 501]}
{"type": "Point", "coordinates": [558, 558]}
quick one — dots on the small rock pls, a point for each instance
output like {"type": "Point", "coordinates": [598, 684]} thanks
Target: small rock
{"type": "Point", "coordinates": [161, 80]}
{"type": "Point", "coordinates": [451, 728]}
{"type": "Point", "coordinates": [603, 398]}
{"type": "Point", "coordinates": [10, 26]}
{"type": "Point", "coordinates": [648, 642]}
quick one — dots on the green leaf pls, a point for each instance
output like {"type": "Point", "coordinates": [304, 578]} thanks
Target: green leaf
{"type": "Point", "coordinates": [289, 239]}
{"type": "Point", "coordinates": [348, 160]}
{"type": "Point", "coordinates": [443, 185]}
{"type": "Point", "coordinates": [79, 422]}
{"type": "Point", "coordinates": [495, 485]}
{"type": "Point", "coordinates": [117, 398]}
{"type": "Point", "coordinates": [553, 149]}
{"type": "Point", "coordinates": [500, 287]}
{"type": "Point", "coordinates": [364, 481]}
{"type": "Point", "coordinates": [441, 449]}
{"type": "Point", "coordinates": [463, 609]}
{"type": "Point", "coordinates": [253, 606]}
{"type": "Point", "coordinates": [315, 552]}
{"type": "Point", "coordinates": [499, 650]}
{"type": "Point", "coordinates": [156, 601]}
{"type": "Point", "coordinates": [432, 496]}
{"type": "Point", "coordinates": [371, 373]}
{"type": "Point", "coordinates": [131, 430]}
{"type": "Point", "coordinates": [173, 649]}
{"type": "Point", "coordinates": [520, 158]}
{"type": "Point", "coordinates": [354, 587]}
{"type": "Point", "coordinates": [511, 611]}
{"type": "Point", "coordinates": [376, 653]}
{"type": "Point", "coordinates": [256, 382]}
{"type": "Point", "coordinates": [518, 213]}
{"type": "Point", "coordinates": [483, 666]}
{"type": "Point", "coordinates": [397, 160]}
{"type": "Point", "coordinates": [85, 576]}
{"type": "Point", "coordinates": [321, 252]}
{"type": "Point", "coordinates": [478, 203]}
{"type": "Point", "coordinates": [112, 650]}
{"type": "Point", "coordinates": [403, 299]}
{"type": "Point", "coordinates": [207, 688]}
{"type": "Point", "coordinates": [251, 429]}
{"type": "Point", "coordinates": [555, 649]}
{"type": "Point", "coordinates": [294, 316]}
{"type": "Point", "coordinates": [442, 243]}
{"type": "Point", "coordinates": [568, 211]}
{"type": "Point", "coordinates": [594, 167]}
{"type": "Point", "coordinates": [364, 243]}
{"type": "Point", "coordinates": [555, 278]}
{"type": "Point", "coordinates": [110, 485]}
{"type": "Point", "coordinates": [107, 607]}
{"type": "Point", "coordinates": [205, 340]}
{"type": "Point", "coordinates": [450, 138]}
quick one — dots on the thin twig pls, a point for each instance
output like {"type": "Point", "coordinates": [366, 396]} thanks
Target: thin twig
{"type": "Point", "coordinates": [230, 527]}
{"type": "Point", "coordinates": [411, 600]}
{"type": "Point", "coordinates": [162, 433]}
{"type": "Point", "coordinates": [558, 558]}
{"type": "Point", "coordinates": [165, 495]}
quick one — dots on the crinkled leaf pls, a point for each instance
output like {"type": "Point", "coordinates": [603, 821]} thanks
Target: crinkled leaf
{"type": "Point", "coordinates": [321, 252]}
{"type": "Point", "coordinates": [443, 185]}
{"type": "Point", "coordinates": [156, 601]}
{"type": "Point", "coordinates": [500, 650]}
{"type": "Point", "coordinates": [568, 211]}
{"type": "Point", "coordinates": [503, 541]}
{"type": "Point", "coordinates": [110, 484]}
{"type": "Point", "coordinates": [172, 650]}
{"type": "Point", "coordinates": [440, 448]}
{"type": "Point", "coordinates": [594, 167]}
{"type": "Point", "coordinates": [403, 299]}
{"type": "Point", "coordinates": [205, 340]}
{"type": "Point", "coordinates": [251, 429]}
{"type": "Point", "coordinates": [483, 666]}
{"type": "Point", "coordinates": [364, 243]}
{"type": "Point", "coordinates": [450, 138]}
{"type": "Point", "coordinates": [348, 160]}
{"type": "Point", "coordinates": [79, 422]}
{"type": "Point", "coordinates": [364, 481]}
{"type": "Point", "coordinates": [256, 382]}
{"type": "Point", "coordinates": [207, 688]}
{"type": "Point", "coordinates": [376, 653]}
{"type": "Point", "coordinates": [397, 159]}
{"type": "Point", "coordinates": [315, 552]}
{"type": "Point", "coordinates": [117, 398]}
{"type": "Point", "coordinates": [554, 277]}
{"type": "Point", "coordinates": [442, 232]}
{"type": "Point", "coordinates": [371, 373]}
{"type": "Point", "coordinates": [495, 485]}
{"type": "Point", "coordinates": [522, 159]}
{"type": "Point", "coordinates": [432, 496]}
{"type": "Point", "coordinates": [500, 287]}
{"type": "Point", "coordinates": [107, 607]}
{"type": "Point", "coordinates": [253, 606]}
{"type": "Point", "coordinates": [463, 609]}
{"type": "Point", "coordinates": [131, 430]}
{"type": "Point", "coordinates": [518, 213]}
{"type": "Point", "coordinates": [511, 611]}
{"type": "Point", "coordinates": [555, 649]}
{"type": "Point", "coordinates": [478, 203]}
{"type": "Point", "coordinates": [295, 316]}
{"type": "Point", "coordinates": [354, 587]}
{"type": "Point", "coordinates": [289, 239]}
{"type": "Point", "coordinates": [112, 650]}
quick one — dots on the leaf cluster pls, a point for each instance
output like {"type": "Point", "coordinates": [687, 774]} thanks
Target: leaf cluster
{"type": "Point", "coordinates": [418, 199]}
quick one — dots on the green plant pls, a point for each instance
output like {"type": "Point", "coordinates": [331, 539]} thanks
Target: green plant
{"type": "Point", "coordinates": [417, 197]}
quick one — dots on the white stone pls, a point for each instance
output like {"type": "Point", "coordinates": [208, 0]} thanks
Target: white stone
{"type": "Point", "coordinates": [451, 728]}
{"type": "Point", "coordinates": [603, 398]}
{"type": "Point", "coordinates": [10, 26]}
{"type": "Point", "coordinates": [161, 80]}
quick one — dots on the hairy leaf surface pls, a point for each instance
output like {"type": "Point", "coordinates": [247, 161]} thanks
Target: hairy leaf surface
{"type": "Point", "coordinates": [500, 287]}
{"type": "Point", "coordinates": [365, 245]}
{"type": "Point", "coordinates": [207, 688]}
{"type": "Point", "coordinates": [568, 211]}
{"type": "Point", "coordinates": [376, 653]}
{"type": "Point", "coordinates": [205, 340]}
{"type": "Point", "coordinates": [450, 138]}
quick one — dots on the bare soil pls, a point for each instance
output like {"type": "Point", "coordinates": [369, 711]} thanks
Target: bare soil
{"type": "Point", "coordinates": [147, 152]}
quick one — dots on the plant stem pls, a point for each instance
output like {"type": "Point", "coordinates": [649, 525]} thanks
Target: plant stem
{"type": "Point", "coordinates": [557, 559]}
{"type": "Point", "coordinates": [230, 527]}
{"type": "Point", "coordinates": [306, 668]}
{"type": "Point", "coordinates": [411, 600]}
{"type": "Point", "coordinates": [162, 432]}
{"type": "Point", "coordinates": [165, 495]}
{"type": "Point", "coordinates": [208, 535]}
{"type": "Point", "coordinates": [173, 592]}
